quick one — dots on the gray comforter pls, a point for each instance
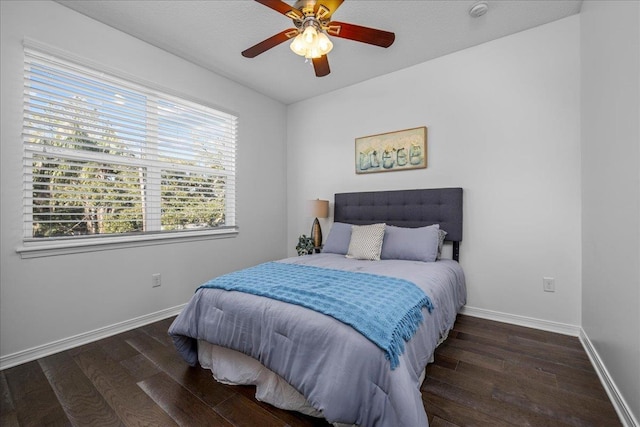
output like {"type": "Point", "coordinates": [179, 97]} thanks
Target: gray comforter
{"type": "Point", "coordinates": [340, 372]}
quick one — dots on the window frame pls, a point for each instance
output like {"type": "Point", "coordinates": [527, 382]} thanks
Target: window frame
{"type": "Point", "coordinates": [47, 246]}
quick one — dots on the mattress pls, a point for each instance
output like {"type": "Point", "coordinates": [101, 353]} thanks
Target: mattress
{"type": "Point", "coordinates": [336, 372]}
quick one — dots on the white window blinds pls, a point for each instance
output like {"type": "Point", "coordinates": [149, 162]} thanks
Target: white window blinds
{"type": "Point", "coordinates": [104, 156]}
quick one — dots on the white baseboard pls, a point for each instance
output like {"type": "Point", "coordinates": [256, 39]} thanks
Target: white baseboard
{"type": "Point", "coordinates": [529, 322]}
{"type": "Point", "coordinates": [84, 338]}
{"type": "Point", "coordinates": [622, 408]}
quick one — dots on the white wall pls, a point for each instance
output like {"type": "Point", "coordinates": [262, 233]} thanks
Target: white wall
{"type": "Point", "coordinates": [503, 123]}
{"type": "Point", "coordinates": [48, 299]}
{"type": "Point", "coordinates": [610, 36]}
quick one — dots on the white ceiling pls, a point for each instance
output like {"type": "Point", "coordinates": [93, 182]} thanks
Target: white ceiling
{"type": "Point", "coordinates": [212, 33]}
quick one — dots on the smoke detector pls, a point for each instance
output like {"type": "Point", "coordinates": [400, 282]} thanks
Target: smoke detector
{"type": "Point", "coordinates": [478, 9]}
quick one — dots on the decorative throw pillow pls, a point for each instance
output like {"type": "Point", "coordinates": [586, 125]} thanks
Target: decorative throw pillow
{"type": "Point", "coordinates": [338, 239]}
{"type": "Point", "coordinates": [366, 241]}
{"type": "Point", "coordinates": [411, 244]}
{"type": "Point", "coordinates": [441, 235]}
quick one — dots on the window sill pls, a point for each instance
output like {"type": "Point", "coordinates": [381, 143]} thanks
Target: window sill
{"type": "Point", "coordinates": [66, 247]}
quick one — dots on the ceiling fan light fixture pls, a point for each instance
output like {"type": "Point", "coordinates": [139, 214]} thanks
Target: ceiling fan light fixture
{"type": "Point", "coordinates": [311, 43]}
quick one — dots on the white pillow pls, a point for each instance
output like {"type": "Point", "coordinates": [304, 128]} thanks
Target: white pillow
{"type": "Point", "coordinates": [366, 241]}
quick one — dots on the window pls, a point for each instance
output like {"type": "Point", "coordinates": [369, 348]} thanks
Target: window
{"type": "Point", "coordinates": [106, 157]}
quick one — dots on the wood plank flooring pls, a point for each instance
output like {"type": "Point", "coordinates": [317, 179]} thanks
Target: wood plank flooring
{"type": "Point", "coordinates": [485, 374]}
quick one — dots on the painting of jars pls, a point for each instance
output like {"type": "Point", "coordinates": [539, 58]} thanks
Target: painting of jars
{"type": "Point", "coordinates": [393, 151]}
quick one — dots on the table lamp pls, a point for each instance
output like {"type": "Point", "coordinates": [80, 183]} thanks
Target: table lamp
{"type": "Point", "coordinates": [319, 209]}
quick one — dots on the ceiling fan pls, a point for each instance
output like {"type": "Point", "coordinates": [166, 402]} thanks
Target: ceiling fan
{"type": "Point", "coordinates": [311, 19]}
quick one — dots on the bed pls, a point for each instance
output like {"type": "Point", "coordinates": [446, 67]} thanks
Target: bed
{"type": "Point", "coordinates": [301, 359]}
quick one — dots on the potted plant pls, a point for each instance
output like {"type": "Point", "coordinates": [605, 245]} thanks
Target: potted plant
{"type": "Point", "coordinates": [305, 245]}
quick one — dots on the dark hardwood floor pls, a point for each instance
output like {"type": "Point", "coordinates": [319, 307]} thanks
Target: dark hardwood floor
{"type": "Point", "coordinates": [485, 374]}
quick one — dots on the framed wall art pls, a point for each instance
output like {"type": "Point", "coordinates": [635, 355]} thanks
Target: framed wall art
{"type": "Point", "coordinates": [393, 151]}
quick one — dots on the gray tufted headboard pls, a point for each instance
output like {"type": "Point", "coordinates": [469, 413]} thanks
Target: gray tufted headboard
{"type": "Point", "coordinates": [405, 208]}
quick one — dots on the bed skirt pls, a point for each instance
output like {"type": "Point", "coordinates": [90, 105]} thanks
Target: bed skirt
{"type": "Point", "coordinates": [235, 368]}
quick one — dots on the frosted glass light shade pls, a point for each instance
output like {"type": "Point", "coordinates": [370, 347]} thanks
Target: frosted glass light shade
{"type": "Point", "coordinates": [324, 44]}
{"type": "Point", "coordinates": [298, 45]}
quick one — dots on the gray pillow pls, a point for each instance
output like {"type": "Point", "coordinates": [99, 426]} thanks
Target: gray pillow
{"type": "Point", "coordinates": [338, 239]}
{"type": "Point", "coordinates": [366, 241]}
{"type": "Point", "coordinates": [412, 244]}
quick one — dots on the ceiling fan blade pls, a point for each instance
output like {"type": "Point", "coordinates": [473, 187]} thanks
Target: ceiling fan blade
{"type": "Point", "coordinates": [321, 66]}
{"type": "Point", "coordinates": [325, 8]}
{"type": "Point", "coordinates": [361, 34]}
{"type": "Point", "coordinates": [283, 8]}
{"type": "Point", "coordinates": [272, 41]}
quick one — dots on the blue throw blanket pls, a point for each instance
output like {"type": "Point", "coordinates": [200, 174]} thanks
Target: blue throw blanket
{"type": "Point", "coordinates": [386, 310]}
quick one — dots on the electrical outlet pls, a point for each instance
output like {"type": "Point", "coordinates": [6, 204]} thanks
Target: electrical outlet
{"type": "Point", "coordinates": [156, 280]}
{"type": "Point", "coordinates": [549, 284]}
